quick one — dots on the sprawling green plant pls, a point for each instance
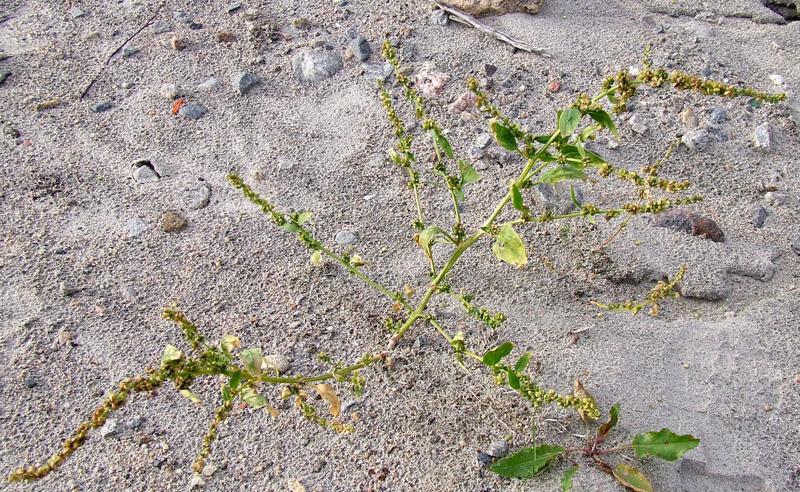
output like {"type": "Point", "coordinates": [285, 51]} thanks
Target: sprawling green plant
{"type": "Point", "coordinates": [549, 158]}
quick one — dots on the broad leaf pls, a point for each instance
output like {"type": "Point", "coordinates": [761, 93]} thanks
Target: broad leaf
{"type": "Point", "coordinates": [290, 227]}
{"type": "Point", "coordinates": [566, 482]}
{"type": "Point", "coordinates": [522, 363]}
{"type": "Point", "coordinates": [252, 359]}
{"type": "Point", "coordinates": [516, 197]}
{"type": "Point", "coordinates": [604, 119]}
{"type": "Point", "coordinates": [303, 218]}
{"type": "Point", "coordinates": [613, 417]}
{"type": "Point", "coordinates": [441, 142]}
{"type": "Point", "coordinates": [226, 393]}
{"type": "Point", "coordinates": [191, 396]}
{"type": "Point", "coordinates": [252, 398]}
{"type": "Point", "coordinates": [527, 462]}
{"type": "Point", "coordinates": [492, 357]}
{"type": "Point", "coordinates": [468, 174]}
{"type": "Point", "coordinates": [171, 353]}
{"type": "Point", "coordinates": [503, 135]}
{"type": "Point", "coordinates": [509, 247]}
{"type": "Point", "coordinates": [589, 131]}
{"type": "Point", "coordinates": [228, 343]}
{"type": "Point", "coordinates": [568, 121]}
{"type": "Point", "coordinates": [236, 378]}
{"type": "Point", "coordinates": [562, 173]}
{"type": "Point", "coordinates": [664, 444]}
{"type": "Point", "coordinates": [327, 394]}
{"type": "Point", "coordinates": [632, 478]}
{"type": "Point", "coordinates": [581, 150]}
{"type": "Point", "coordinates": [513, 380]}
{"type": "Point", "coordinates": [428, 236]}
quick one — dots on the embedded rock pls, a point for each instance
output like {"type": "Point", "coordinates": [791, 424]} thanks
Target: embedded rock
{"type": "Point", "coordinates": [311, 67]}
{"type": "Point", "coordinates": [480, 8]}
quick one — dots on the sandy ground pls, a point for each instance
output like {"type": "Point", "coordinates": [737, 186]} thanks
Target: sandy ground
{"type": "Point", "coordinates": [721, 365]}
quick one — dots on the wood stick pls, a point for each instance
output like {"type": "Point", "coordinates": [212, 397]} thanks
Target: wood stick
{"type": "Point", "coordinates": [463, 17]}
{"type": "Point", "coordinates": [108, 59]}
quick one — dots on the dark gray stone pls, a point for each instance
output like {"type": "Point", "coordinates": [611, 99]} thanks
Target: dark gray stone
{"type": "Point", "coordinates": [193, 111]}
{"type": "Point", "coordinates": [557, 198]}
{"type": "Point", "coordinates": [475, 152]}
{"type": "Point", "coordinates": [758, 215]}
{"type": "Point", "coordinates": [409, 50]}
{"type": "Point", "coordinates": [30, 383]}
{"type": "Point", "coordinates": [100, 106]}
{"type": "Point", "coordinates": [233, 7]}
{"type": "Point", "coordinates": [161, 27]}
{"type": "Point", "coordinates": [129, 51]}
{"type": "Point", "coordinates": [182, 17]}
{"type": "Point", "coordinates": [796, 243]}
{"type": "Point", "coordinates": [360, 48]}
{"type": "Point", "coordinates": [484, 458]}
{"type": "Point", "coordinates": [346, 238]}
{"type": "Point", "coordinates": [3, 75]}
{"type": "Point", "coordinates": [311, 67]}
{"type": "Point", "coordinates": [717, 116]}
{"type": "Point", "coordinates": [243, 82]}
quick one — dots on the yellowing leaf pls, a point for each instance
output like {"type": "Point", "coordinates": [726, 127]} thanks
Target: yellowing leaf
{"type": "Point", "coordinates": [408, 291]}
{"type": "Point", "coordinates": [509, 247]}
{"type": "Point", "coordinates": [191, 396]}
{"type": "Point", "coordinates": [272, 411]}
{"type": "Point", "coordinates": [632, 478]}
{"type": "Point", "coordinates": [580, 392]}
{"type": "Point", "coordinates": [327, 394]}
{"type": "Point", "coordinates": [316, 258]}
{"type": "Point", "coordinates": [171, 353]}
{"type": "Point", "coordinates": [228, 343]}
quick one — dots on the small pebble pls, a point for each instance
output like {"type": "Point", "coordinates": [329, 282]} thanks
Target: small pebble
{"type": "Point", "coordinates": [210, 84]}
{"type": "Point", "coordinates": [233, 7]}
{"type": "Point", "coordinates": [142, 438]}
{"type": "Point", "coordinates": [64, 337]}
{"type": "Point", "coordinates": [278, 361]}
{"type": "Point", "coordinates": [144, 173]}
{"type": "Point", "coordinates": [689, 119]}
{"type": "Point", "coordinates": [346, 238]}
{"type": "Point", "coordinates": [717, 116]}
{"type": "Point", "coordinates": [197, 482]}
{"type": "Point", "coordinates": [129, 51]}
{"type": "Point", "coordinates": [172, 222]}
{"type": "Point", "coordinates": [776, 79]}
{"type": "Point", "coordinates": [109, 428]}
{"type": "Point", "coordinates": [497, 449]}
{"type": "Point", "coordinates": [758, 215]}
{"type": "Point", "coordinates": [484, 458]}
{"type": "Point", "coordinates": [135, 422]}
{"type": "Point", "coordinates": [76, 13]}
{"type": "Point", "coordinates": [66, 290]}
{"type": "Point", "coordinates": [637, 125]}
{"type": "Point", "coordinates": [169, 91]}
{"type": "Point", "coordinates": [796, 243]}
{"type": "Point", "coordinates": [128, 292]}
{"type": "Point", "coordinates": [193, 111]}
{"type": "Point", "coordinates": [4, 75]}
{"type": "Point", "coordinates": [439, 18]}
{"type": "Point", "coordinates": [301, 23]}
{"type": "Point", "coordinates": [476, 152]}
{"type": "Point", "coordinates": [197, 196]}
{"type": "Point", "coordinates": [135, 227]}
{"type": "Point", "coordinates": [360, 48]}
{"type": "Point", "coordinates": [775, 198]}
{"type": "Point", "coordinates": [195, 26]}
{"type": "Point", "coordinates": [483, 140]}
{"type": "Point", "coordinates": [311, 67]}
{"type": "Point", "coordinates": [225, 37]}
{"type": "Point", "coordinates": [696, 140]}
{"type": "Point", "coordinates": [285, 164]}
{"type": "Point", "coordinates": [377, 160]}
{"type": "Point", "coordinates": [209, 470]}
{"type": "Point", "coordinates": [161, 27]}
{"type": "Point", "coordinates": [242, 82]}
{"type": "Point", "coordinates": [554, 86]}
{"type": "Point", "coordinates": [100, 106]}
{"type": "Point", "coordinates": [690, 223]}
{"type": "Point", "coordinates": [177, 43]}
{"type": "Point", "coordinates": [182, 17]}
{"type": "Point", "coordinates": [763, 139]}
{"type": "Point", "coordinates": [30, 382]}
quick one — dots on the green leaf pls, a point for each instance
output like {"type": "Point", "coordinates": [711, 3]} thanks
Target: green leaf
{"type": "Point", "coordinates": [445, 145]}
{"type": "Point", "coordinates": [509, 247]}
{"type": "Point", "coordinates": [632, 478]}
{"type": "Point", "coordinates": [664, 444]}
{"type": "Point", "coordinates": [236, 378]}
{"type": "Point", "coordinates": [562, 173]}
{"type": "Point", "coordinates": [612, 99]}
{"type": "Point", "coordinates": [516, 197]}
{"type": "Point", "coordinates": [503, 135]}
{"type": "Point", "coordinates": [613, 417]}
{"type": "Point", "coordinates": [226, 393]}
{"type": "Point", "coordinates": [252, 359]}
{"type": "Point", "coordinates": [290, 227]}
{"type": "Point", "coordinates": [316, 258]}
{"type": "Point", "coordinates": [171, 353]}
{"type": "Point", "coordinates": [228, 343]}
{"type": "Point", "coordinates": [252, 398]}
{"type": "Point", "coordinates": [459, 196]}
{"type": "Point", "coordinates": [566, 482]}
{"type": "Point", "coordinates": [604, 119]}
{"type": "Point", "coordinates": [589, 131]}
{"type": "Point", "coordinates": [568, 121]}
{"type": "Point", "coordinates": [495, 355]}
{"type": "Point", "coordinates": [428, 237]}
{"type": "Point", "coordinates": [527, 462]}
{"type": "Point", "coordinates": [191, 396]}
{"type": "Point", "coordinates": [302, 218]}
{"type": "Point", "coordinates": [581, 150]}
{"type": "Point", "coordinates": [522, 363]}
{"type": "Point", "coordinates": [513, 380]}
{"type": "Point", "coordinates": [468, 174]}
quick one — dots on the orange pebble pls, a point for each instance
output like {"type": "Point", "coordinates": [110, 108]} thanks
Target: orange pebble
{"type": "Point", "coordinates": [177, 106]}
